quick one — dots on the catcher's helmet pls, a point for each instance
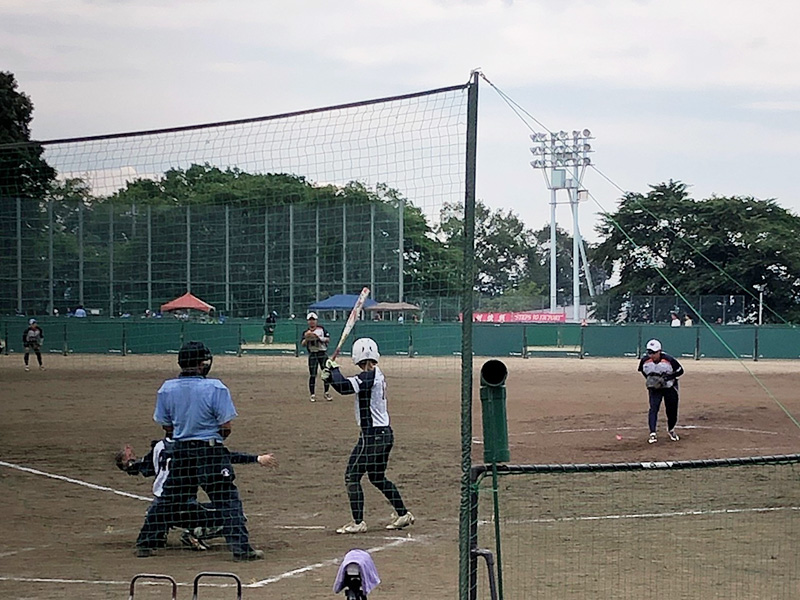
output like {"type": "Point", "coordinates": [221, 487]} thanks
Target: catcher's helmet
{"type": "Point", "coordinates": [365, 349]}
{"type": "Point", "coordinates": [194, 355]}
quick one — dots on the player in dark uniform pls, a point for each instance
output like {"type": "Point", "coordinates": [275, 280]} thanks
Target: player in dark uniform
{"type": "Point", "coordinates": [32, 339]}
{"type": "Point", "coordinates": [371, 452]}
{"type": "Point", "coordinates": [197, 412]}
{"type": "Point", "coordinates": [200, 521]}
{"type": "Point", "coordinates": [316, 339]}
{"type": "Point", "coordinates": [661, 372]}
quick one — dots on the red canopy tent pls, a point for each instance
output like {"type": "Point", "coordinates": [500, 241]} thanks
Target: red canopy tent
{"type": "Point", "coordinates": [187, 301]}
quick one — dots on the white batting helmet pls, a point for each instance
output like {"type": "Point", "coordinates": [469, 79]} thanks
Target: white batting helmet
{"type": "Point", "coordinates": [365, 349]}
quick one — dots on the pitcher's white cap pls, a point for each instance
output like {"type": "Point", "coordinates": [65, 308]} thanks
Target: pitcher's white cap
{"type": "Point", "coordinates": [654, 345]}
{"type": "Point", "coordinates": [311, 315]}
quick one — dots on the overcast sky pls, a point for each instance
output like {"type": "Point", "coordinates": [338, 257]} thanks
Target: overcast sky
{"type": "Point", "coordinates": [702, 91]}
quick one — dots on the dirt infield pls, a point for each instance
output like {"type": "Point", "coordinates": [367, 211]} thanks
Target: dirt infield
{"type": "Point", "coordinates": [64, 539]}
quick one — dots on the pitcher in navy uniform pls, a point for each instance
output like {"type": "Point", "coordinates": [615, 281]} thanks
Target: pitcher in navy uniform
{"type": "Point", "coordinates": [371, 452]}
{"type": "Point", "coordinates": [196, 413]}
{"type": "Point", "coordinates": [661, 372]}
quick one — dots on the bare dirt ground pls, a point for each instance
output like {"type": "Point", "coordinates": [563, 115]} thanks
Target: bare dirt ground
{"type": "Point", "coordinates": [60, 428]}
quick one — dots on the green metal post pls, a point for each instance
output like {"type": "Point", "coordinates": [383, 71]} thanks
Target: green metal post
{"type": "Point", "coordinates": [466, 562]}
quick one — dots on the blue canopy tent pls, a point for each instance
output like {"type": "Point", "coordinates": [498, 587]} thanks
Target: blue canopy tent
{"type": "Point", "coordinates": [343, 302]}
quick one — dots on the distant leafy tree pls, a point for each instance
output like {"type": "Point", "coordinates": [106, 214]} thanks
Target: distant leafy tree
{"type": "Point", "coordinates": [751, 242]}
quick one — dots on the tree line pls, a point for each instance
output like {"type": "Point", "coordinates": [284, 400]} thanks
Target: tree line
{"type": "Point", "coordinates": [661, 242]}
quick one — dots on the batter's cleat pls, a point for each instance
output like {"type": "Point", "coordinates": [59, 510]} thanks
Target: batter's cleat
{"type": "Point", "coordinates": [191, 541]}
{"type": "Point", "coordinates": [41, 367]}
{"type": "Point", "coordinates": [27, 368]}
{"type": "Point", "coordinates": [652, 439]}
{"type": "Point", "coordinates": [353, 527]}
{"type": "Point", "coordinates": [328, 397]}
{"type": "Point", "coordinates": [249, 555]}
{"type": "Point", "coordinates": [673, 436]}
{"type": "Point", "coordinates": [142, 552]}
{"type": "Point", "coordinates": [313, 398]}
{"type": "Point", "coordinates": [401, 522]}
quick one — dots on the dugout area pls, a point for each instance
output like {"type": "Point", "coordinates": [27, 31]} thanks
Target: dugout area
{"type": "Point", "coordinates": [64, 539]}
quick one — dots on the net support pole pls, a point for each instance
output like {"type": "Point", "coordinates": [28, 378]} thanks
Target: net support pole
{"type": "Point", "coordinates": [344, 248]}
{"type": "Point", "coordinates": [266, 261]}
{"type": "Point", "coordinates": [316, 254]}
{"type": "Point", "coordinates": [401, 207]}
{"type": "Point", "coordinates": [228, 259]}
{"type": "Point", "coordinates": [19, 256]}
{"type": "Point", "coordinates": [291, 259]}
{"type": "Point", "coordinates": [111, 261]}
{"type": "Point", "coordinates": [372, 248]}
{"type": "Point", "coordinates": [468, 284]}
{"type": "Point", "coordinates": [80, 252]}
{"type": "Point", "coordinates": [50, 258]}
{"type": "Point", "coordinates": [149, 258]}
{"type": "Point", "coordinates": [188, 248]}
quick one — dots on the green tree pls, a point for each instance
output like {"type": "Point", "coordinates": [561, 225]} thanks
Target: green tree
{"type": "Point", "coordinates": [23, 171]}
{"type": "Point", "coordinates": [671, 240]}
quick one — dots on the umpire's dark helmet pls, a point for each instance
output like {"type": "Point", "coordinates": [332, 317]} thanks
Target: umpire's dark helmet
{"type": "Point", "coordinates": [195, 355]}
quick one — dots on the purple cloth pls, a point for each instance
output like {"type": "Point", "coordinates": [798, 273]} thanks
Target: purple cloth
{"type": "Point", "coordinates": [369, 573]}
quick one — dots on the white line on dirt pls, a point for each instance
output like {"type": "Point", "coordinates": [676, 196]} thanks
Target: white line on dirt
{"type": "Point", "coordinates": [93, 486]}
{"type": "Point", "coordinates": [680, 513]}
{"type": "Point", "coordinates": [396, 541]}
{"type": "Point", "coordinates": [103, 488]}
{"type": "Point", "coordinates": [594, 429]}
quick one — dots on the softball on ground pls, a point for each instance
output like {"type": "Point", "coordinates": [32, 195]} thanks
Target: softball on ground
{"type": "Point", "coordinates": [619, 437]}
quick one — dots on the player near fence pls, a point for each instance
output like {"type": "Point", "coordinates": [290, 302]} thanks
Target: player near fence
{"type": "Point", "coordinates": [200, 521]}
{"type": "Point", "coordinates": [661, 372]}
{"type": "Point", "coordinates": [196, 412]}
{"type": "Point", "coordinates": [32, 340]}
{"type": "Point", "coordinates": [316, 339]}
{"type": "Point", "coordinates": [371, 453]}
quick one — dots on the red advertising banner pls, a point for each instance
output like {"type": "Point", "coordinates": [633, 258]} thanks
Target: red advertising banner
{"type": "Point", "coordinates": [519, 317]}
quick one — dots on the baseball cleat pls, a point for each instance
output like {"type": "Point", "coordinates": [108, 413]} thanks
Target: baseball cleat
{"type": "Point", "coordinates": [673, 436]}
{"type": "Point", "coordinates": [313, 398]}
{"type": "Point", "coordinates": [401, 522]}
{"type": "Point", "coordinates": [27, 368]}
{"type": "Point", "coordinates": [328, 397]}
{"type": "Point", "coordinates": [353, 527]}
{"type": "Point", "coordinates": [249, 555]}
{"type": "Point", "coordinates": [652, 439]}
{"type": "Point", "coordinates": [193, 542]}
{"type": "Point", "coordinates": [41, 367]}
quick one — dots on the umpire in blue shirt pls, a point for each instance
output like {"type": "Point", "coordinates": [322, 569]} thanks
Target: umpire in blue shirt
{"type": "Point", "coordinates": [196, 412]}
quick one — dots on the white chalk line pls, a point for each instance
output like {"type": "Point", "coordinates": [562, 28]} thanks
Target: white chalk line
{"type": "Point", "coordinates": [263, 582]}
{"type": "Point", "coordinates": [601, 429]}
{"type": "Point", "coordinates": [104, 488]}
{"type": "Point", "coordinates": [679, 513]}
{"type": "Point", "coordinates": [93, 486]}
{"type": "Point", "coordinates": [397, 541]}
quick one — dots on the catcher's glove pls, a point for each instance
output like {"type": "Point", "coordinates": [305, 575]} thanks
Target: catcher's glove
{"type": "Point", "coordinates": [655, 382]}
{"type": "Point", "coordinates": [125, 458]}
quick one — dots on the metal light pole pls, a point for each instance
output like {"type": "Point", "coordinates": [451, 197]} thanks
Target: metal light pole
{"type": "Point", "coordinates": [554, 153]}
{"type": "Point", "coordinates": [760, 287]}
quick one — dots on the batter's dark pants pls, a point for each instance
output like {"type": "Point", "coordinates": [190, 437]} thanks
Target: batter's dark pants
{"type": "Point", "coordinates": [371, 456]}
{"type": "Point", "coordinates": [316, 360]}
{"type": "Point", "coordinates": [197, 464]}
{"type": "Point", "coordinates": [670, 398]}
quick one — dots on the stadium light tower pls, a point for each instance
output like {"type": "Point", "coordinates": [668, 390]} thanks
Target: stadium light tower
{"type": "Point", "coordinates": [558, 155]}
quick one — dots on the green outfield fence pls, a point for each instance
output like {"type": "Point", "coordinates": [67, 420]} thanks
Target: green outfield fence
{"type": "Point", "coordinates": [704, 529]}
{"type": "Point", "coordinates": [242, 336]}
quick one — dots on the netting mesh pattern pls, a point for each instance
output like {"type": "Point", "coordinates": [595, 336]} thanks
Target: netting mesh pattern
{"type": "Point", "coordinates": [263, 214]}
{"type": "Point", "coordinates": [708, 533]}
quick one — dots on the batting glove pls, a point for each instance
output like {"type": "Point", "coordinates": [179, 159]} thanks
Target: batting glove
{"type": "Point", "coordinates": [331, 364]}
{"type": "Point", "coordinates": [326, 374]}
